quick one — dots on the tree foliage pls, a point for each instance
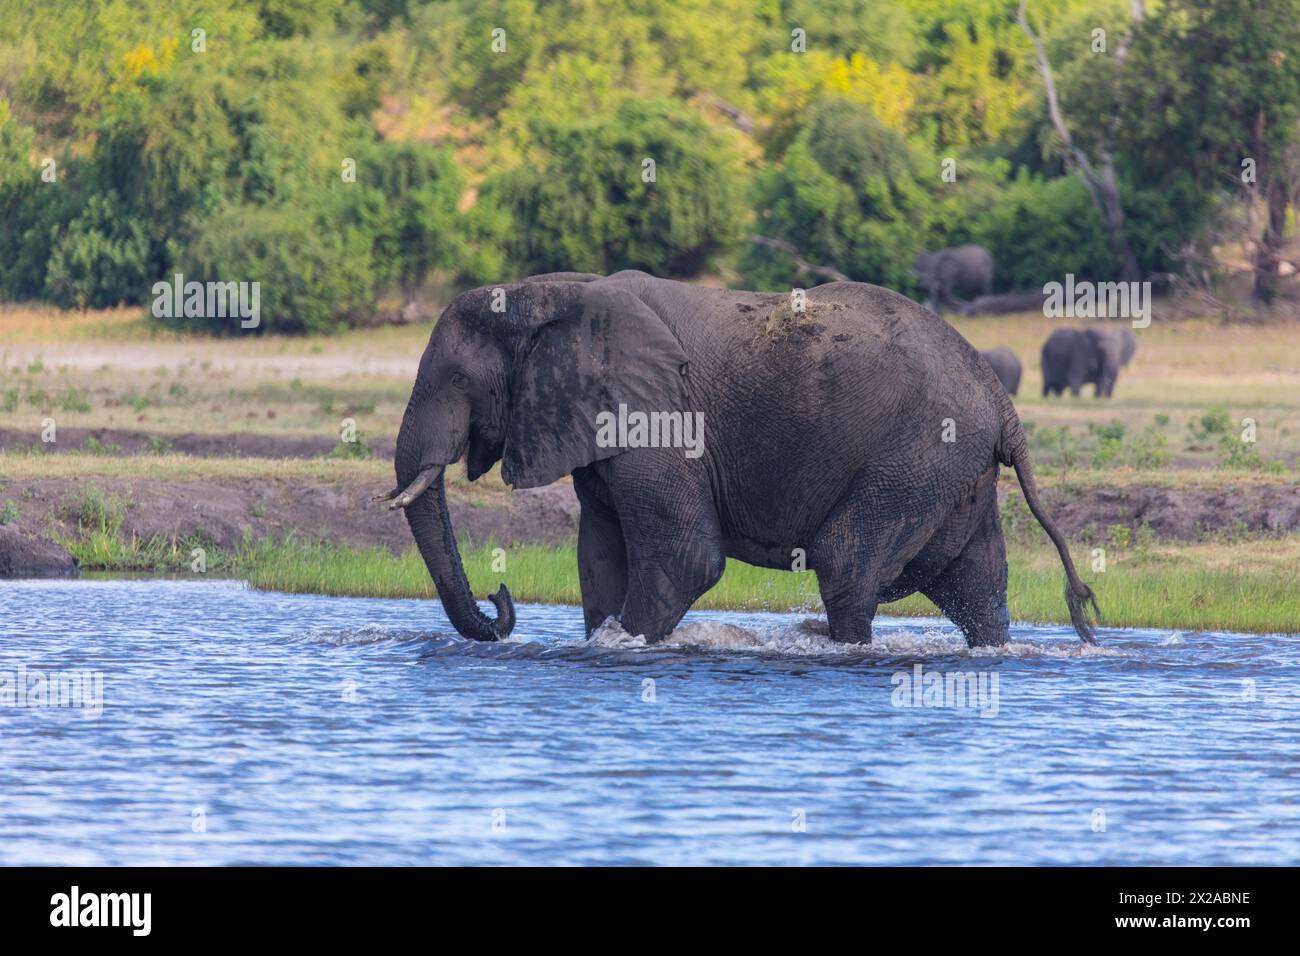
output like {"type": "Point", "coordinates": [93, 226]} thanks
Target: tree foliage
{"type": "Point", "coordinates": [491, 138]}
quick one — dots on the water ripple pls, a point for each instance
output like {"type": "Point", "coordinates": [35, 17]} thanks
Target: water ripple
{"type": "Point", "coordinates": [243, 727]}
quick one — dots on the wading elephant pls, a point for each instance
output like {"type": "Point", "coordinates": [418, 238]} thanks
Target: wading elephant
{"type": "Point", "coordinates": [1073, 358]}
{"type": "Point", "coordinates": [950, 274]}
{"type": "Point", "coordinates": [790, 471]}
{"type": "Point", "coordinates": [1005, 366]}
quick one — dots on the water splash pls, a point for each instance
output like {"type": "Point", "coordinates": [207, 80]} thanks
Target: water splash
{"type": "Point", "coordinates": [810, 637]}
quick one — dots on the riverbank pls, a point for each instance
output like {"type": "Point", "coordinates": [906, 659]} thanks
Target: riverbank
{"type": "Point", "coordinates": [1210, 586]}
{"type": "Point", "coordinates": [1187, 550]}
{"type": "Point", "coordinates": [127, 447]}
{"type": "Point", "coordinates": [1214, 586]}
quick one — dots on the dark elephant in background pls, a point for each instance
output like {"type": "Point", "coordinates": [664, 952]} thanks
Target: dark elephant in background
{"type": "Point", "coordinates": [1005, 366]}
{"type": "Point", "coordinates": [880, 503]}
{"type": "Point", "coordinates": [1073, 358]}
{"type": "Point", "coordinates": [948, 275]}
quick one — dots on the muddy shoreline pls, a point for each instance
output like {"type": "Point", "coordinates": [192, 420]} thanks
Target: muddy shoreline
{"type": "Point", "coordinates": [226, 510]}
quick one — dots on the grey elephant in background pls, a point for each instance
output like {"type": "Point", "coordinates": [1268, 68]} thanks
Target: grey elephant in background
{"type": "Point", "coordinates": [1005, 366]}
{"type": "Point", "coordinates": [1073, 358]}
{"type": "Point", "coordinates": [950, 274]}
{"type": "Point", "coordinates": [524, 374]}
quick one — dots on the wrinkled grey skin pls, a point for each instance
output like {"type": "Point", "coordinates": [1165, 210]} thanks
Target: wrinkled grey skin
{"type": "Point", "coordinates": [1094, 355]}
{"type": "Point", "coordinates": [793, 471]}
{"type": "Point", "coordinates": [950, 275]}
{"type": "Point", "coordinates": [1005, 366]}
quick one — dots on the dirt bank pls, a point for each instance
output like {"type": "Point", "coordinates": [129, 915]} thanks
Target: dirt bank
{"type": "Point", "coordinates": [120, 441]}
{"type": "Point", "coordinates": [223, 509]}
{"type": "Point", "coordinates": [1173, 514]}
{"type": "Point", "coordinates": [24, 555]}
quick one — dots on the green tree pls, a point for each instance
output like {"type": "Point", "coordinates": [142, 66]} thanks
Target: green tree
{"type": "Point", "coordinates": [649, 187]}
{"type": "Point", "coordinates": [1220, 78]}
{"type": "Point", "coordinates": [848, 195]}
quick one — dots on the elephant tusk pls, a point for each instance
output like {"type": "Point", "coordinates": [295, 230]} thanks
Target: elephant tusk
{"type": "Point", "coordinates": [387, 495]}
{"type": "Point", "coordinates": [415, 488]}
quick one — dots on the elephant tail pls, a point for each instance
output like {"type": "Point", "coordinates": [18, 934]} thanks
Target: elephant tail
{"type": "Point", "coordinates": [1013, 450]}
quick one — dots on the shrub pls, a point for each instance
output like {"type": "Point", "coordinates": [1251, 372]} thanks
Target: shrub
{"type": "Point", "coordinates": [98, 259]}
{"type": "Point", "coordinates": [352, 449]}
{"type": "Point", "coordinates": [1041, 230]}
{"type": "Point", "coordinates": [73, 401]}
{"type": "Point", "coordinates": [1116, 447]}
{"type": "Point", "coordinates": [1216, 421]}
{"type": "Point", "coordinates": [584, 205]}
{"type": "Point", "coordinates": [312, 276]}
{"type": "Point", "coordinates": [847, 194]}
{"type": "Point", "coordinates": [1237, 454]}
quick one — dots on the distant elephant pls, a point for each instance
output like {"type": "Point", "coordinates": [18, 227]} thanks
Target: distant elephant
{"type": "Point", "coordinates": [1073, 358]}
{"type": "Point", "coordinates": [964, 271]}
{"type": "Point", "coordinates": [741, 433]}
{"type": "Point", "coordinates": [1005, 366]}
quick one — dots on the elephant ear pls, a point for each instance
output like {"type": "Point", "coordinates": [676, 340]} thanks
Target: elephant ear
{"type": "Point", "coordinates": [1107, 345]}
{"type": "Point", "coordinates": [1127, 347]}
{"type": "Point", "coordinates": [592, 348]}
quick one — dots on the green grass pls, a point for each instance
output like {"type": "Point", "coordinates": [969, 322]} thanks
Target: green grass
{"type": "Point", "coordinates": [1237, 586]}
{"type": "Point", "coordinates": [1155, 587]}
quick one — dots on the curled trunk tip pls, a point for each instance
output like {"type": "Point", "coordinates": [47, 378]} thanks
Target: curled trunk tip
{"type": "Point", "coordinates": [430, 523]}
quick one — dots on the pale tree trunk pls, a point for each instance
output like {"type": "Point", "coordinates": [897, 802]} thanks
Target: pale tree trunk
{"type": "Point", "coordinates": [1267, 260]}
{"type": "Point", "coordinates": [1277, 174]}
{"type": "Point", "coordinates": [1101, 183]}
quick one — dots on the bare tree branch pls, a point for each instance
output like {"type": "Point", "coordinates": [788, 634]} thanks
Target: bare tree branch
{"type": "Point", "coordinates": [1053, 104]}
{"type": "Point", "coordinates": [810, 268]}
{"type": "Point", "coordinates": [1102, 187]}
{"type": "Point", "coordinates": [741, 120]}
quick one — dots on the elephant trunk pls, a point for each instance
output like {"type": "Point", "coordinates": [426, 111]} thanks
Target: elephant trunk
{"type": "Point", "coordinates": [430, 523]}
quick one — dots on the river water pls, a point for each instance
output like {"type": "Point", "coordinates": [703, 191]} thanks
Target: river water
{"type": "Point", "coordinates": [242, 727]}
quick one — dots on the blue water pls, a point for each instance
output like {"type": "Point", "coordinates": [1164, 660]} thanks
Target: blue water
{"type": "Point", "coordinates": [243, 727]}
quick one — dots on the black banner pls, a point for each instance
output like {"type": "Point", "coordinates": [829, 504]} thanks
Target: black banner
{"type": "Point", "coordinates": [361, 905]}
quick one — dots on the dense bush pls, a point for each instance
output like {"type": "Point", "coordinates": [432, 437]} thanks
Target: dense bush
{"type": "Point", "coordinates": [98, 259]}
{"type": "Point", "coordinates": [849, 194]}
{"type": "Point", "coordinates": [239, 178]}
{"type": "Point", "coordinates": [1041, 230]}
{"type": "Point", "coordinates": [482, 155]}
{"type": "Point", "coordinates": [314, 276]}
{"type": "Point", "coordinates": [583, 202]}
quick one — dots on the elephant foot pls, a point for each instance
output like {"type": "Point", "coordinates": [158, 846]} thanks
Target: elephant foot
{"type": "Point", "coordinates": [850, 625]}
{"type": "Point", "coordinates": [994, 632]}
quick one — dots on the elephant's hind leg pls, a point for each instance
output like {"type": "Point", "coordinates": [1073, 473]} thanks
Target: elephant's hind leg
{"type": "Point", "coordinates": [972, 590]}
{"type": "Point", "coordinates": [849, 615]}
{"type": "Point", "coordinates": [856, 553]}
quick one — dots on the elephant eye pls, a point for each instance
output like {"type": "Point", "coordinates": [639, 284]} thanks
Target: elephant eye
{"type": "Point", "coordinates": [458, 380]}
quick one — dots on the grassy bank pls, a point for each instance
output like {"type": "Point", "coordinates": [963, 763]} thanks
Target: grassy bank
{"type": "Point", "coordinates": [1175, 423]}
{"type": "Point", "coordinates": [26, 465]}
{"type": "Point", "coordinates": [1241, 586]}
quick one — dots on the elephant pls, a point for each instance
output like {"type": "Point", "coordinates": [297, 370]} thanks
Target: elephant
{"type": "Point", "coordinates": [1075, 357]}
{"type": "Point", "coordinates": [790, 473]}
{"type": "Point", "coordinates": [962, 271]}
{"type": "Point", "coordinates": [1005, 366]}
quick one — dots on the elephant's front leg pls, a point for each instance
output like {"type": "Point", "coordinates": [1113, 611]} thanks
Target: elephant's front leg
{"type": "Point", "coordinates": [602, 563]}
{"type": "Point", "coordinates": [663, 583]}
{"type": "Point", "coordinates": [672, 533]}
